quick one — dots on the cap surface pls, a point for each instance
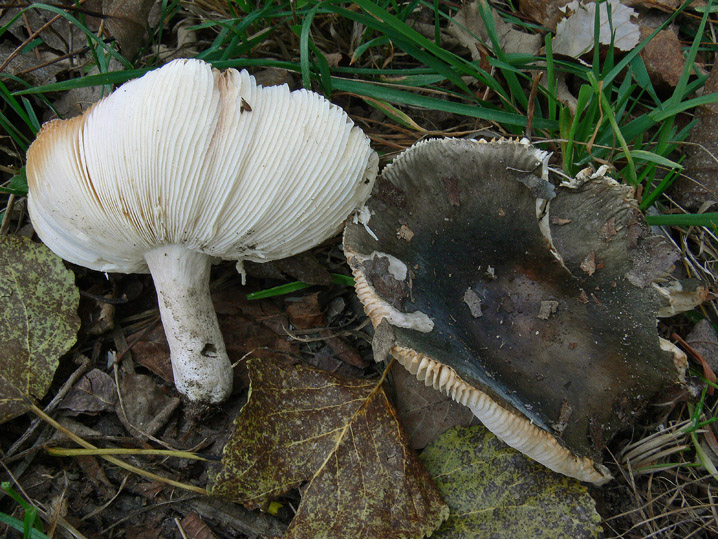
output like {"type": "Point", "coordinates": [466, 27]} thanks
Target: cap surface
{"type": "Point", "coordinates": [176, 157]}
{"type": "Point", "coordinates": [528, 303]}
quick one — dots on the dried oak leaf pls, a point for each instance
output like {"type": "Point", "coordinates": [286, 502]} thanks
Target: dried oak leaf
{"type": "Point", "coordinates": [495, 491]}
{"type": "Point", "coordinates": [38, 321]}
{"type": "Point", "coordinates": [340, 438]}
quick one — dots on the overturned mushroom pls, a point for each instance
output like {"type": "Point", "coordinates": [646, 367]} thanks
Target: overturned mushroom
{"type": "Point", "coordinates": [186, 166]}
{"type": "Point", "coordinates": [534, 305]}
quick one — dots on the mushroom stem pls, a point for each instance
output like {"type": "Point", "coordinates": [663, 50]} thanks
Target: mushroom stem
{"type": "Point", "coordinates": [202, 370]}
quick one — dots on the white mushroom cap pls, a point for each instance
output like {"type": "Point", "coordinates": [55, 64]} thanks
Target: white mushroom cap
{"type": "Point", "coordinates": [176, 162]}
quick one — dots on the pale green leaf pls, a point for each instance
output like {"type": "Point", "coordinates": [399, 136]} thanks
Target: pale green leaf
{"type": "Point", "coordinates": [38, 321]}
{"type": "Point", "coordinates": [495, 491]}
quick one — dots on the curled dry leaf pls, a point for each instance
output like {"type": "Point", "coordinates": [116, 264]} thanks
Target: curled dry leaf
{"type": "Point", "coordinates": [341, 438]}
{"type": "Point", "coordinates": [39, 322]}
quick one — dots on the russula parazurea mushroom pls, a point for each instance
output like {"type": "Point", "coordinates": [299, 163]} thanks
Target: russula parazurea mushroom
{"type": "Point", "coordinates": [533, 304]}
{"type": "Point", "coordinates": [188, 165]}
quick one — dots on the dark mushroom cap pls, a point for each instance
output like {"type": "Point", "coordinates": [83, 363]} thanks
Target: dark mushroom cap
{"type": "Point", "coordinates": [535, 306]}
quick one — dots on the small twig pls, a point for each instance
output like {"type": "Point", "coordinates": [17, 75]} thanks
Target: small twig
{"type": "Point", "coordinates": [179, 527]}
{"type": "Point", "coordinates": [66, 387]}
{"type": "Point", "coordinates": [64, 452]}
{"type": "Point", "coordinates": [6, 218]}
{"type": "Point", "coordinates": [109, 502]}
{"type": "Point", "coordinates": [52, 61]}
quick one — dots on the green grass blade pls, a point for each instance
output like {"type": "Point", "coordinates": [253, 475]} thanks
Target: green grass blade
{"type": "Point", "coordinates": [297, 285]}
{"type": "Point", "coordinates": [19, 526]}
{"type": "Point", "coordinates": [304, 46]}
{"type": "Point", "coordinates": [684, 219]}
{"type": "Point", "coordinates": [400, 97]}
{"type": "Point", "coordinates": [101, 79]}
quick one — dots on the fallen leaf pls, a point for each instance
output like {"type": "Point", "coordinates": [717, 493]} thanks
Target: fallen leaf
{"type": "Point", "coordinates": [126, 21]}
{"type": "Point", "coordinates": [94, 393]}
{"type": "Point", "coordinates": [663, 56]}
{"type": "Point", "coordinates": [306, 312]}
{"type": "Point", "coordinates": [28, 66]}
{"type": "Point", "coordinates": [153, 353]}
{"type": "Point", "coordinates": [495, 491]}
{"type": "Point", "coordinates": [39, 322]}
{"type": "Point", "coordinates": [345, 351]}
{"type": "Point", "coordinates": [545, 12]}
{"type": "Point", "coordinates": [574, 34]}
{"type": "Point", "coordinates": [342, 438]}
{"type": "Point", "coordinates": [194, 527]}
{"type": "Point", "coordinates": [95, 475]}
{"type": "Point", "coordinates": [144, 407]}
{"type": "Point", "coordinates": [469, 26]}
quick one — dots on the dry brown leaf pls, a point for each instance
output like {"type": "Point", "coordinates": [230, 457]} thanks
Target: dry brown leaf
{"type": "Point", "coordinates": [663, 56]}
{"type": "Point", "coordinates": [127, 22]}
{"type": "Point", "coordinates": [153, 353]}
{"type": "Point", "coordinates": [306, 312]}
{"type": "Point", "coordinates": [340, 437]}
{"type": "Point", "coordinates": [144, 407]}
{"type": "Point", "coordinates": [193, 527]}
{"type": "Point", "coordinates": [94, 393]}
{"type": "Point", "coordinates": [544, 12]}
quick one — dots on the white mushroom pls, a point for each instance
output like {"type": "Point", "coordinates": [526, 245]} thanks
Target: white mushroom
{"type": "Point", "coordinates": [188, 165]}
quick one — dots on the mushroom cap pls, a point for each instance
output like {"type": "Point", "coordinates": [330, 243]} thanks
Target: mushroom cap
{"type": "Point", "coordinates": [534, 305]}
{"type": "Point", "coordinates": [178, 157]}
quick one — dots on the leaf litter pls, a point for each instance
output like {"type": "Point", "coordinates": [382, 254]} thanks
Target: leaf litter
{"type": "Point", "coordinates": [341, 441]}
{"type": "Point", "coordinates": [651, 509]}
